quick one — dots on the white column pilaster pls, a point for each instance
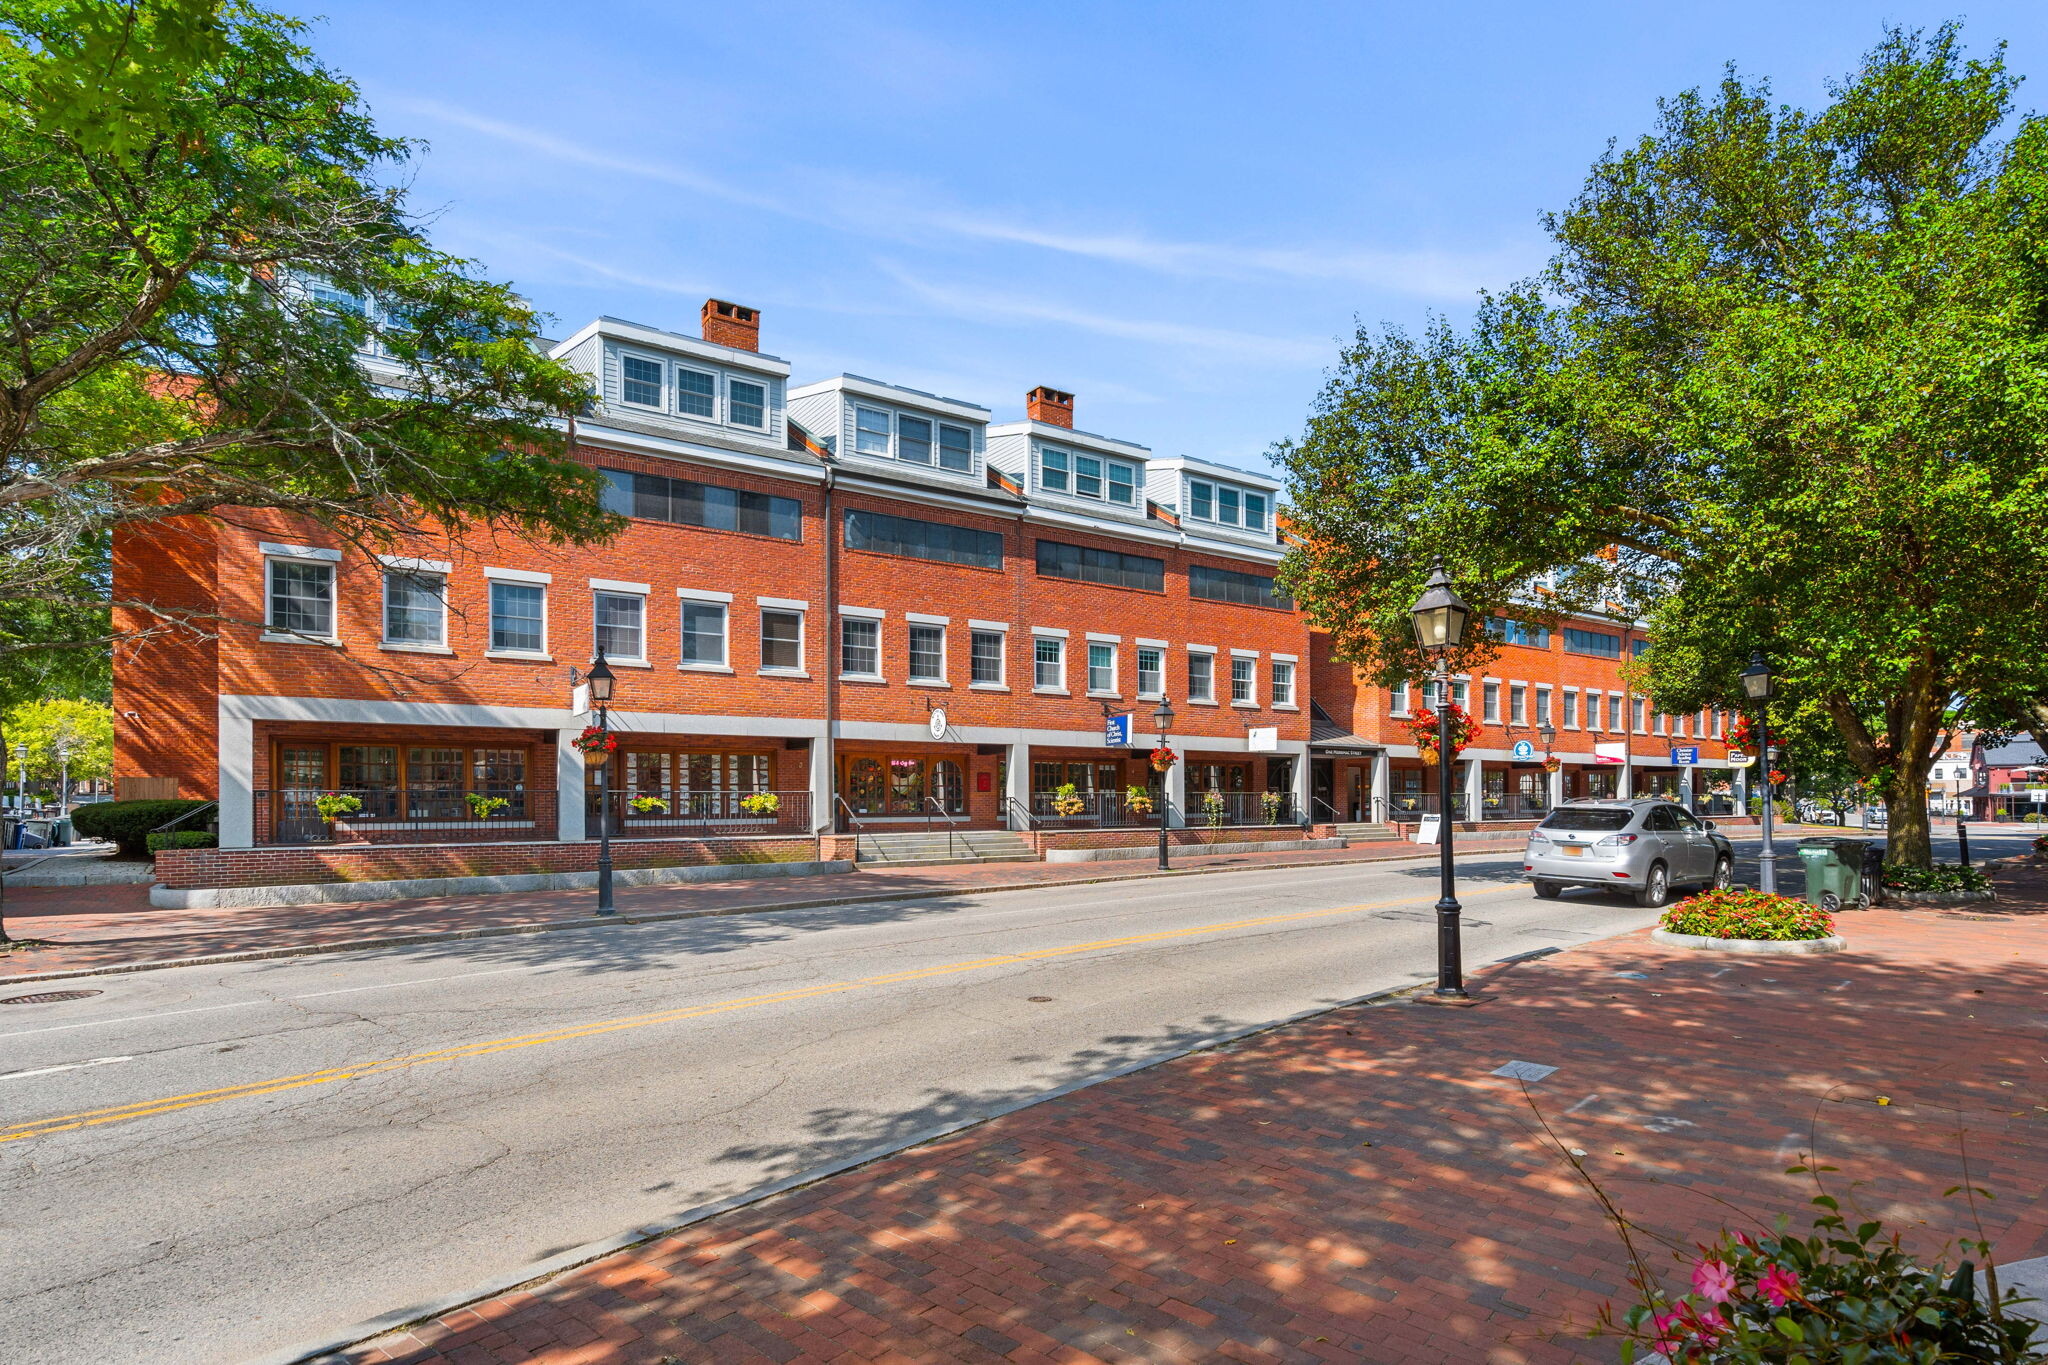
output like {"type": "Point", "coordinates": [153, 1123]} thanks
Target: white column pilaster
{"type": "Point", "coordinates": [237, 763]}
{"type": "Point", "coordinates": [1554, 785]}
{"type": "Point", "coordinates": [1299, 787]}
{"type": "Point", "coordinates": [569, 818]}
{"type": "Point", "coordinates": [1017, 777]}
{"type": "Point", "coordinates": [823, 809]}
{"type": "Point", "coordinates": [1382, 787]}
{"type": "Point", "coordinates": [1176, 785]}
{"type": "Point", "coordinates": [1475, 788]}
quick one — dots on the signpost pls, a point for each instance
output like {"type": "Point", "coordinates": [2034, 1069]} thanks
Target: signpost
{"type": "Point", "coordinates": [1116, 731]}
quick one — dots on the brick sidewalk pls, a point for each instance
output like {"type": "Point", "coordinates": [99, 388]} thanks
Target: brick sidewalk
{"type": "Point", "coordinates": [1359, 1187]}
{"type": "Point", "coordinates": [109, 926]}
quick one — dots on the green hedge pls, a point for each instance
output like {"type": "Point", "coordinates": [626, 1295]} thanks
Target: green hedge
{"type": "Point", "coordinates": [183, 838]}
{"type": "Point", "coordinates": [128, 823]}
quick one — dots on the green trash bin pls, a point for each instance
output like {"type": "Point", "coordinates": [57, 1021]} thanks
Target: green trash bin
{"type": "Point", "coordinates": [1834, 872]}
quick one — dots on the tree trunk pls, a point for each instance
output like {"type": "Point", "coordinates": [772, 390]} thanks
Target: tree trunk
{"type": "Point", "coordinates": [1908, 839]}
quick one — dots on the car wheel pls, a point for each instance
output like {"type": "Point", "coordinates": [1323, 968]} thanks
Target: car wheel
{"type": "Point", "coordinates": [1656, 888]}
{"type": "Point", "coordinates": [1724, 873]}
{"type": "Point", "coordinates": [1549, 891]}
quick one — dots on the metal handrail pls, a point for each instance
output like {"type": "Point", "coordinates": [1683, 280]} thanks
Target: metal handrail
{"type": "Point", "coordinates": [179, 820]}
{"type": "Point", "coordinates": [859, 827]}
{"type": "Point", "coordinates": [1336, 817]}
{"type": "Point", "coordinates": [1017, 810]}
{"type": "Point", "coordinates": [933, 802]}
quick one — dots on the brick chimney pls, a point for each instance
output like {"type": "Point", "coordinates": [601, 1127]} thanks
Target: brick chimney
{"type": "Point", "coordinates": [729, 324]}
{"type": "Point", "coordinates": [1046, 404]}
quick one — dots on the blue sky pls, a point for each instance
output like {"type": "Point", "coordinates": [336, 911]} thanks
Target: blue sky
{"type": "Point", "coordinates": [1174, 210]}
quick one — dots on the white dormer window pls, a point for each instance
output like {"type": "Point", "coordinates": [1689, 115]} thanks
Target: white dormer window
{"type": "Point", "coordinates": [696, 393]}
{"type": "Point", "coordinates": [746, 403]}
{"type": "Point", "coordinates": [871, 431]}
{"type": "Point", "coordinates": [956, 448]}
{"type": "Point", "coordinates": [1226, 505]}
{"type": "Point", "coordinates": [1087, 476]}
{"type": "Point", "coordinates": [913, 439]}
{"type": "Point", "coordinates": [640, 381]}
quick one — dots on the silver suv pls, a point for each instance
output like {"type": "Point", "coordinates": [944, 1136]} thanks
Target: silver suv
{"type": "Point", "coordinates": [1646, 846]}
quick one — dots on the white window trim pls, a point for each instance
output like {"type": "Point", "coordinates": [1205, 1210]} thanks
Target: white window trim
{"type": "Point", "coordinates": [724, 392]}
{"type": "Point", "coordinates": [660, 362]}
{"type": "Point", "coordinates": [802, 612]}
{"type": "Point", "coordinates": [277, 551]}
{"type": "Point", "coordinates": [709, 599]}
{"type": "Point", "coordinates": [1543, 708]}
{"type": "Point", "coordinates": [1489, 701]}
{"type": "Point", "coordinates": [938, 623]}
{"type": "Point", "coordinates": [614, 589]}
{"type": "Point", "coordinates": [675, 396]}
{"type": "Point", "coordinates": [1293, 682]}
{"type": "Point", "coordinates": [1568, 719]}
{"type": "Point", "coordinates": [889, 420]}
{"type": "Point", "coordinates": [1048, 633]}
{"type": "Point", "coordinates": [1138, 671]}
{"type": "Point", "coordinates": [393, 564]}
{"type": "Point", "coordinates": [1518, 702]}
{"type": "Point", "coordinates": [1001, 628]}
{"type": "Point", "coordinates": [518, 575]}
{"type": "Point", "coordinates": [1072, 453]}
{"type": "Point", "coordinates": [1401, 704]}
{"type": "Point", "coordinates": [1245, 656]}
{"type": "Point", "coordinates": [1115, 665]}
{"type": "Point", "coordinates": [1055, 631]}
{"type": "Point", "coordinates": [545, 653]}
{"type": "Point", "coordinates": [439, 566]}
{"type": "Point", "coordinates": [839, 645]}
{"type": "Point", "coordinates": [1161, 644]}
{"type": "Point", "coordinates": [274, 636]}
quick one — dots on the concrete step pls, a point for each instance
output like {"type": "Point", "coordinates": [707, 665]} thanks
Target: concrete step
{"type": "Point", "coordinates": [928, 848]}
{"type": "Point", "coordinates": [1365, 833]}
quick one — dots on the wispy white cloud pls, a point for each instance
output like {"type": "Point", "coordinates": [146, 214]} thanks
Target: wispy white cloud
{"type": "Point", "coordinates": [1242, 346]}
{"type": "Point", "coordinates": [1435, 274]}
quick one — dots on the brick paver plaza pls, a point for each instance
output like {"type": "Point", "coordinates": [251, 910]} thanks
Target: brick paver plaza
{"type": "Point", "coordinates": [1360, 1187]}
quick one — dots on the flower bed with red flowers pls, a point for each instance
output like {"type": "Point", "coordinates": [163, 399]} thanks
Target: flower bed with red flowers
{"type": "Point", "coordinates": [1747, 914]}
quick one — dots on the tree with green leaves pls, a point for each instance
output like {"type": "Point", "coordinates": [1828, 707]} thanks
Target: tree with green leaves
{"type": "Point", "coordinates": [1782, 387]}
{"type": "Point", "coordinates": [61, 735]}
{"type": "Point", "coordinates": [202, 236]}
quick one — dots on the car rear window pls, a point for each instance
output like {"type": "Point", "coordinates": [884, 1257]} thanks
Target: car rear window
{"type": "Point", "coordinates": [1588, 819]}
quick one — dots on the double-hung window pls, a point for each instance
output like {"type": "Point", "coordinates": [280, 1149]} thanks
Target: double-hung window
{"type": "Point", "coordinates": [956, 448]}
{"type": "Point", "coordinates": [518, 617]}
{"type": "Point", "coordinates": [1201, 676]}
{"type": "Point", "coordinates": [1397, 699]}
{"type": "Point", "coordinates": [1642, 716]}
{"type": "Point", "coordinates": [1283, 683]}
{"type": "Point", "coordinates": [1518, 703]}
{"type": "Point", "coordinates": [746, 403]}
{"type": "Point", "coordinates": [696, 393]}
{"type": "Point", "coordinates": [415, 608]}
{"type": "Point", "coordinates": [1049, 663]}
{"type": "Point", "coordinates": [871, 431]}
{"type": "Point", "coordinates": [927, 653]}
{"type": "Point", "coordinates": [1052, 470]}
{"type": "Point", "coordinates": [703, 634]}
{"type": "Point", "coordinates": [1226, 504]}
{"type": "Point", "coordinates": [782, 640]}
{"type": "Point", "coordinates": [301, 597]}
{"type": "Point", "coordinates": [860, 647]}
{"type": "Point", "coordinates": [1101, 667]}
{"type": "Point", "coordinates": [621, 624]}
{"type": "Point", "coordinates": [1244, 682]}
{"type": "Point", "coordinates": [913, 439]}
{"type": "Point", "coordinates": [1087, 477]}
{"type": "Point", "coordinates": [1543, 706]}
{"type": "Point", "coordinates": [1123, 485]}
{"type": "Point", "coordinates": [985, 658]}
{"type": "Point", "coordinates": [640, 381]}
{"type": "Point", "coordinates": [1491, 692]}
{"type": "Point", "coordinates": [1571, 709]}
{"type": "Point", "coordinates": [1151, 670]}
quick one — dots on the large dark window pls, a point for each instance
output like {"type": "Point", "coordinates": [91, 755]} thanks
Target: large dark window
{"type": "Point", "coordinates": [1228, 585]}
{"type": "Point", "coordinates": [934, 540]}
{"type": "Point", "coordinates": [1512, 632]}
{"type": "Point", "coordinates": [702, 504]}
{"type": "Point", "coordinates": [1595, 642]}
{"type": "Point", "coordinates": [1056, 560]}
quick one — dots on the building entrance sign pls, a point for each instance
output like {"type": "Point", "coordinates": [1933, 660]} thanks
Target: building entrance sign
{"type": "Point", "coordinates": [937, 722]}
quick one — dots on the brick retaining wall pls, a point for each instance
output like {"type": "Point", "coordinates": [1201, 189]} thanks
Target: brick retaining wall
{"type": "Point", "coordinates": [190, 868]}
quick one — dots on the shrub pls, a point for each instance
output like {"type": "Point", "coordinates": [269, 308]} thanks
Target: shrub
{"type": "Point", "coordinates": [2041, 843]}
{"type": "Point", "coordinates": [1742, 913]}
{"type": "Point", "coordinates": [183, 838]}
{"type": "Point", "coordinates": [128, 823]}
{"type": "Point", "coordinates": [1940, 877]}
{"type": "Point", "coordinates": [334, 805]}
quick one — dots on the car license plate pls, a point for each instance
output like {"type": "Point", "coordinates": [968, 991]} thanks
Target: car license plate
{"type": "Point", "coordinates": [1571, 850]}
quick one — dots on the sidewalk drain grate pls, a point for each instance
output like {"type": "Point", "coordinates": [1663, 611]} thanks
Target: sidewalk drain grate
{"type": "Point", "coordinates": [1524, 1071]}
{"type": "Point", "coordinates": [49, 997]}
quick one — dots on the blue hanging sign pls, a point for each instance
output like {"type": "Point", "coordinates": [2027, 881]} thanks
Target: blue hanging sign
{"type": "Point", "coordinates": [1116, 732]}
{"type": "Point", "coordinates": [1523, 750]}
{"type": "Point", "coordinates": [1687, 757]}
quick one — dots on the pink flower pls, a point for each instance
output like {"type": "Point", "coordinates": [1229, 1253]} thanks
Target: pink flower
{"type": "Point", "coordinates": [1713, 1279]}
{"type": "Point", "coordinates": [1709, 1325]}
{"type": "Point", "coordinates": [1779, 1285]}
{"type": "Point", "coordinates": [1665, 1327]}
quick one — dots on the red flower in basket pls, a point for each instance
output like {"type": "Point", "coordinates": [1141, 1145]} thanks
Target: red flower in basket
{"type": "Point", "coordinates": [1163, 758]}
{"type": "Point", "coordinates": [1776, 777]}
{"type": "Point", "coordinates": [1423, 727]}
{"type": "Point", "coordinates": [597, 741]}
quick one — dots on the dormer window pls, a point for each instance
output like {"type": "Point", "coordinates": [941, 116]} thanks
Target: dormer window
{"type": "Point", "coordinates": [871, 431]}
{"type": "Point", "coordinates": [697, 393]}
{"type": "Point", "coordinates": [956, 448]}
{"type": "Point", "coordinates": [640, 381]}
{"type": "Point", "coordinates": [1226, 505]}
{"type": "Point", "coordinates": [912, 439]}
{"type": "Point", "coordinates": [748, 403]}
{"type": "Point", "coordinates": [1087, 476]}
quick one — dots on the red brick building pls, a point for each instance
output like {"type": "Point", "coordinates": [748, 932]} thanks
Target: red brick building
{"type": "Point", "coordinates": [846, 606]}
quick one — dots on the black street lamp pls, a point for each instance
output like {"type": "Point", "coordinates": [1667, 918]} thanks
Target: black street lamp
{"type": "Point", "coordinates": [1162, 715]}
{"type": "Point", "coordinates": [1758, 685]}
{"type": "Point", "coordinates": [1439, 617]}
{"type": "Point", "coordinates": [601, 682]}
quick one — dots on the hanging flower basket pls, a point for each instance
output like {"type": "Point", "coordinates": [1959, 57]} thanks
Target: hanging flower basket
{"type": "Point", "coordinates": [1552, 763]}
{"type": "Point", "coordinates": [1138, 801]}
{"type": "Point", "coordinates": [597, 745]}
{"type": "Point", "coordinates": [1068, 800]}
{"type": "Point", "coordinates": [1423, 728]}
{"type": "Point", "coordinates": [1163, 758]}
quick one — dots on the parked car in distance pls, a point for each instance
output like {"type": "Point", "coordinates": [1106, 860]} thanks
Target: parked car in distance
{"type": "Point", "coordinates": [1646, 847]}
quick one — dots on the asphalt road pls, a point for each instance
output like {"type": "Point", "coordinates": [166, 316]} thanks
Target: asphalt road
{"type": "Point", "coordinates": [210, 1164]}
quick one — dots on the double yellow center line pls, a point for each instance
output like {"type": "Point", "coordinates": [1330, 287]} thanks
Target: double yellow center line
{"type": "Point", "coordinates": [146, 1108]}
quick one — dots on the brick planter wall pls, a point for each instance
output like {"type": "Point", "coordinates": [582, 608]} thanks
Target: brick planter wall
{"type": "Point", "coordinates": [192, 868]}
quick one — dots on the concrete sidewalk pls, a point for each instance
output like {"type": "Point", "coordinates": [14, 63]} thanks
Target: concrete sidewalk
{"type": "Point", "coordinates": [75, 930]}
{"type": "Point", "coordinates": [1363, 1186]}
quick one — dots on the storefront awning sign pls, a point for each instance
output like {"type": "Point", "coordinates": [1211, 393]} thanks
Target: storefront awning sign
{"type": "Point", "coordinates": [1616, 752]}
{"type": "Point", "coordinates": [1262, 739]}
